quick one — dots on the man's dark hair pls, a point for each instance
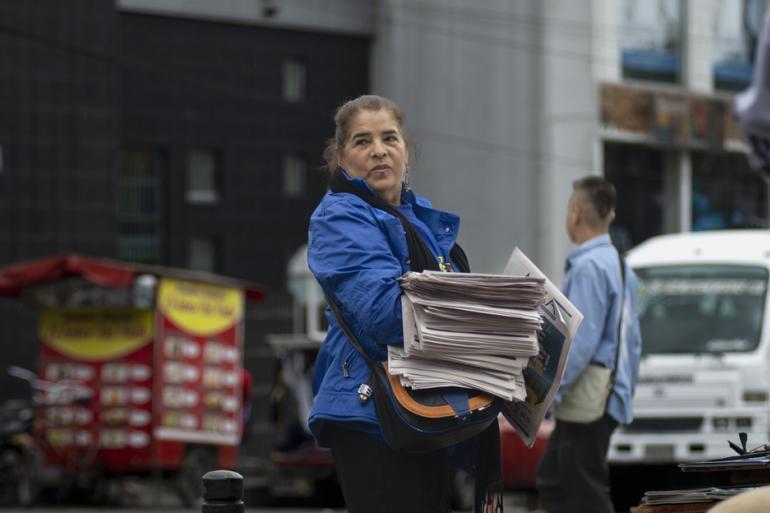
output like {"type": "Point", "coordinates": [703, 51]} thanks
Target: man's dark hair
{"type": "Point", "coordinates": [599, 192]}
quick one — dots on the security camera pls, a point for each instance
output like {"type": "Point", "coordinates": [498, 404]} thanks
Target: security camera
{"type": "Point", "coordinates": [269, 9]}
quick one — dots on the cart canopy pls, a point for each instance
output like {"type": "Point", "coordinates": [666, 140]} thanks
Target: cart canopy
{"type": "Point", "coordinates": [106, 273]}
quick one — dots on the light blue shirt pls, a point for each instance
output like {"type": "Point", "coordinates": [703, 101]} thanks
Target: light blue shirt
{"type": "Point", "coordinates": [593, 284]}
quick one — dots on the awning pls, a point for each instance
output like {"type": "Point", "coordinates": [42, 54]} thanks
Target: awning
{"type": "Point", "coordinates": [108, 273]}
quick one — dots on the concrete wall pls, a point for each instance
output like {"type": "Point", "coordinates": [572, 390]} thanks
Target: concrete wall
{"type": "Point", "coordinates": [569, 130]}
{"type": "Point", "coordinates": [469, 81]}
{"type": "Point", "coordinates": [500, 98]}
{"type": "Point", "coordinates": [337, 16]}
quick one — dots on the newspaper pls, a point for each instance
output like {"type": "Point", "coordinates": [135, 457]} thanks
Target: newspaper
{"type": "Point", "coordinates": [468, 330]}
{"type": "Point", "coordinates": [544, 372]}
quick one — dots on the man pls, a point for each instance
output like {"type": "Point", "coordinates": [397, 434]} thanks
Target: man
{"type": "Point", "coordinates": [573, 474]}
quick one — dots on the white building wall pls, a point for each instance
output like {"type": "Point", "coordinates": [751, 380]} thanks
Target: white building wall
{"type": "Point", "coordinates": [468, 77]}
{"type": "Point", "coordinates": [699, 32]}
{"type": "Point", "coordinates": [570, 119]}
{"type": "Point", "coordinates": [606, 29]}
{"type": "Point", "coordinates": [501, 99]}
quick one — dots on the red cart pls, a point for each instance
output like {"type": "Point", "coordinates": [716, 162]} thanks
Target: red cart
{"type": "Point", "coordinates": [158, 351]}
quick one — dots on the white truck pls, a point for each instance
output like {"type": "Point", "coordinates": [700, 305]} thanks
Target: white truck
{"type": "Point", "coordinates": [705, 369]}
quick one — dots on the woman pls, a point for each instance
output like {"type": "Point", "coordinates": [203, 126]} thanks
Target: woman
{"type": "Point", "coordinates": [357, 249]}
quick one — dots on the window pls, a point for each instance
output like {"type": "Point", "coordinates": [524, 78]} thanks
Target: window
{"type": "Point", "coordinates": [202, 254]}
{"type": "Point", "coordinates": [652, 40]}
{"type": "Point", "coordinates": [139, 204]}
{"type": "Point", "coordinates": [294, 80]}
{"type": "Point", "coordinates": [638, 175]}
{"type": "Point", "coordinates": [701, 308]}
{"type": "Point", "coordinates": [738, 24]}
{"type": "Point", "coordinates": [294, 173]}
{"type": "Point", "coordinates": [202, 176]}
{"type": "Point", "coordinates": [726, 193]}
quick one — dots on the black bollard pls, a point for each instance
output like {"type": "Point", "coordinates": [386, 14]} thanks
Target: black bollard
{"type": "Point", "coordinates": [222, 492]}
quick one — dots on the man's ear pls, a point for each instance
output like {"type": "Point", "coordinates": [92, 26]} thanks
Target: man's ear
{"type": "Point", "coordinates": [576, 213]}
{"type": "Point", "coordinates": [610, 217]}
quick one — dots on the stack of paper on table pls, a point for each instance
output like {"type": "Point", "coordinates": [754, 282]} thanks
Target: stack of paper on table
{"type": "Point", "coordinates": [695, 500]}
{"type": "Point", "coordinates": [468, 330]}
{"type": "Point", "coordinates": [677, 496]}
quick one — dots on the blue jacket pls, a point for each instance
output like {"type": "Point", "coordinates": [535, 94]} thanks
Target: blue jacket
{"type": "Point", "coordinates": [356, 252]}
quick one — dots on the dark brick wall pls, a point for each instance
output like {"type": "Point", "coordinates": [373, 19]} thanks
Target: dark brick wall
{"type": "Point", "coordinates": [80, 81]}
{"type": "Point", "coordinates": [58, 127]}
{"type": "Point", "coordinates": [192, 83]}
{"type": "Point", "coordinates": [59, 135]}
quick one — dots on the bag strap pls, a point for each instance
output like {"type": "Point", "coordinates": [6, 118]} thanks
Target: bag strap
{"type": "Point", "coordinates": [348, 332]}
{"type": "Point", "coordinates": [620, 325]}
{"type": "Point", "coordinates": [620, 320]}
{"type": "Point", "coordinates": [420, 257]}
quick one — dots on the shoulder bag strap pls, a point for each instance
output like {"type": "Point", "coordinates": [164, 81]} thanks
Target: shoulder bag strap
{"type": "Point", "coordinates": [348, 332]}
{"type": "Point", "coordinates": [620, 320]}
{"type": "Point", "coordinates": [420, 256]}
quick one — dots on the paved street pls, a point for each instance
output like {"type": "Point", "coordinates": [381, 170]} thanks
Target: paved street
{"type": "Point", "coordinates": [141, 496]}
{"type": "Point", "coordinates": [514, 503]}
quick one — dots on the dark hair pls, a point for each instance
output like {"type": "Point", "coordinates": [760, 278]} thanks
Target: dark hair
{"type": "Point", "coordinates": [599, 192]}
{"type": "Point", "coordinates": [345, 113]}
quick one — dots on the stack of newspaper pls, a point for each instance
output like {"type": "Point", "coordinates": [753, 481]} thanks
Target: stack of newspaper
{"type": "Point", "coordinates": [468, 330]}
{"type": "Point", "coordinates": [440, 346]}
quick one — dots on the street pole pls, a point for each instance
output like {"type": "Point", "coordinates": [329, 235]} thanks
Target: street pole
{"type": "Point", "coordinates": [222, 492]}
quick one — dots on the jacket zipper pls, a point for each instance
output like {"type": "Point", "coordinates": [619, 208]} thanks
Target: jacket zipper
{"type": "Point", "coordinates": [346, 363]}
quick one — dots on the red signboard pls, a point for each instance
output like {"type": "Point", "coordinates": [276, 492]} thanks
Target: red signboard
{"type": "Point", "coordinates": [104, 355]}
{"type": "Point", "coordinates": [198, 357]}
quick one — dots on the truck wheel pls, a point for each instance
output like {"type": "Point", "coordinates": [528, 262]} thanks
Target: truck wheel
{"type": "Point", "coordinates": [197, 462]}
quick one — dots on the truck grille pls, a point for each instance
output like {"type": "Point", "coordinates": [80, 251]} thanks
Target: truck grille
{"type": "Point", "coordinates": [662, 424]}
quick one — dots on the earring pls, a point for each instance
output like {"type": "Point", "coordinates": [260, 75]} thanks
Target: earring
{"type": "Point", "coordinates": [407, 184]}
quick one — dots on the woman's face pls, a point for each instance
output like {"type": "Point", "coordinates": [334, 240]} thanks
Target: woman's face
{"type": "Point", "coordinates": [376, 151]}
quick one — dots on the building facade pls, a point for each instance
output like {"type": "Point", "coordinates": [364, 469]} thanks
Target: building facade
{"type": "Point", "coordinates": [188, 133]}
{"type": "Point", "coordinates": [511, 101]}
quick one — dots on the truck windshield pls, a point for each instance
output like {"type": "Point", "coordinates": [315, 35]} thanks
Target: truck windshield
{"type": "Point", "coordinates": [701, 308]}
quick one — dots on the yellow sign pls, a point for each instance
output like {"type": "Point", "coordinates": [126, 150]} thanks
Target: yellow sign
{"type": "Point", "coordinates": [198, 308]}
{"type": "Point", "coordinates": [96, 334]}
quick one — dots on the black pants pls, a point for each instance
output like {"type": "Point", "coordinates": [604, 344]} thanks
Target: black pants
{"type": "Point", "coordinates": [573, 475]}
{"type": "Point", "coordinates": [377, 479]}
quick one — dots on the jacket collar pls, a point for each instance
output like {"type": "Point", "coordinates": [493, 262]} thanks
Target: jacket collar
{"type": "Point", "coordinates": [590, 244]}
{"type": "Point", "coordinates": [407, 196]}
